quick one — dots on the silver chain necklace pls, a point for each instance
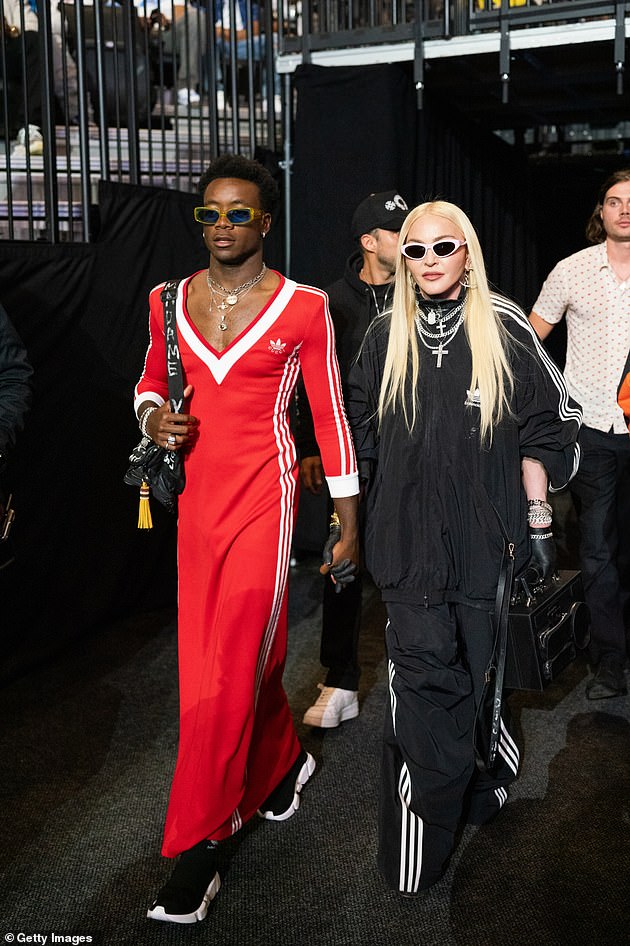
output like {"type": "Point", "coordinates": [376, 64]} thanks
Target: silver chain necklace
{"type": "Point", "coordinates": [385, 298]}
{"type": "Point", "coordinates": [443, 336]}
{"type": "Point", "coordinates": [435, 316]}
{"type": "Point", "coordinates": [229, 297]}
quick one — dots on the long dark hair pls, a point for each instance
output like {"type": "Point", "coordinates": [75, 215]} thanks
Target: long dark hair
{"type": "Point", "coordinates": [595, 232]}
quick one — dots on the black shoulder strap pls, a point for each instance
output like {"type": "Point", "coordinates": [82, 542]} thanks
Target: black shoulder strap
{"type": "Point", "coordinates": [501, 622]}
{"type": "Point", "coordinates": [495, 671]}
{"type": "Point", "coordinates": [173, 358]}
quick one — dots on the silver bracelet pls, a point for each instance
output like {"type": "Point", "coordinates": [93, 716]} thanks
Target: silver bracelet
{"type": "Point", "coordinates": [144, 418]}
{"type": "Point", "coordinates": [539, 518]}
{"type": "Point", "coordinates": [536, 537]}
{"type": "Point", "coordinates": [539, 503]}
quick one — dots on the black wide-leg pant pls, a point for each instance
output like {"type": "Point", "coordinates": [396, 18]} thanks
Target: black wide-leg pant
{"type": "Point", "coordinates": [430, 780]}
{"type": "Point", "coordinates": [601, 489]}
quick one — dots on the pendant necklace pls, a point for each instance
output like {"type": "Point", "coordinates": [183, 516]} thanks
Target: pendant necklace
{"type": "Point", "coordinates": [445, 332]}
{"type": "Point", "coordinates": [229, 297]}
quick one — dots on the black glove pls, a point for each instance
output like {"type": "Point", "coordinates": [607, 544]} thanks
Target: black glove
{"type": "Point", "coordinates": [345, 571]}
{"type": "Point", "coordinates": [543, 551]}
{"type": "Point", "coordinates": [366, 470]}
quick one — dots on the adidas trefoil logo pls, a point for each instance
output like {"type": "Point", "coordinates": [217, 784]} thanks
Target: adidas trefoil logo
{"type": "Point", "coordinates": [277, 346]}
{"type": "Point", "coordinates": [473, 398]}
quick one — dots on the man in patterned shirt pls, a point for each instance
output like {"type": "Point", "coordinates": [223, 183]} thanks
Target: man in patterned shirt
{"type": "Point", "coordinates": [592, 288]}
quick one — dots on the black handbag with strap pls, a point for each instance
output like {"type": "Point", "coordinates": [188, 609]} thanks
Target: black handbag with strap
{"type": "Point", "coordinates": [152, 468]}
{"type": "Point", "coordinates": [539, 627]}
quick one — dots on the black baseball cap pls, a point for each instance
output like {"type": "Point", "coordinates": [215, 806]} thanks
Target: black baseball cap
{"type": "Point", "coordinates": [387, 211]}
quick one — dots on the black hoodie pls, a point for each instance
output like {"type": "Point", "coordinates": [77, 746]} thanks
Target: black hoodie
{"type": "Point", "coordinates": [353, 306]}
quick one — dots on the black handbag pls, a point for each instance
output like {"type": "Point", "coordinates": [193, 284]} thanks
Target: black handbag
{"type": "Point", "coordinates": [152, 468]}
{"type": "Point", "coordinates": [548, 625]}
{"type": "Point", "coordinates": [539, 628]}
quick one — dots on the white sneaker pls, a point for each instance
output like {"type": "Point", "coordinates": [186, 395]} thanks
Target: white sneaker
{"type": "Point", "coordinates": [188, 97]}
{"type": "Point", "coordinates": [332, 706]}
{"type": "Point", "coordinates": [35, 142]}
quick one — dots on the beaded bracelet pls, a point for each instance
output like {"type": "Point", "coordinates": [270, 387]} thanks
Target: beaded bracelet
{"type": "Point", "coordinates": [143, 420]}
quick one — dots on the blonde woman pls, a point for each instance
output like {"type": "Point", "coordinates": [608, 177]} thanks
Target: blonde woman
{"type": "Point", "coordinates": [464, 418]}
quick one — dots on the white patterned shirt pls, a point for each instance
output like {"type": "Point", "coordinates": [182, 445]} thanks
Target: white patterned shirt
{"type": "Point", "coordinates": [597, 307]}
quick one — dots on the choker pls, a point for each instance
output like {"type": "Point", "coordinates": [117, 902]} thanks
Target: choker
{"type": "Point", "coordinates": [447, 322]}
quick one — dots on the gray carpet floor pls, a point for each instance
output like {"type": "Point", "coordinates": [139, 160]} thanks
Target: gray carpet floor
{"type": "Point", "coordinates": [88, 746]}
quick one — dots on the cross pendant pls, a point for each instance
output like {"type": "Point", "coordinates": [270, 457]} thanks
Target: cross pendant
{"type": "Point", "coordinates": [438, 352]}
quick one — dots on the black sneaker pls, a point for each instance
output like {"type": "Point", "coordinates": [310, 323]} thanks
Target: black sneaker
{"type": "Point", "coordinates": [609, 679]}
{"type": "Point", "coordinates": [194, 883]}
{"type": "Point", "coordinates": [284, 800]}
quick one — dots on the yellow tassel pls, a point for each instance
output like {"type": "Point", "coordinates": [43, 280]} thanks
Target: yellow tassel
{"type": "Point", "coordinates": [144, 512]}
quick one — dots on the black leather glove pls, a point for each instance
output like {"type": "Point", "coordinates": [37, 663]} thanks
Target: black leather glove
{"type": "Point", "coordinates": [366, 469]}
{"type": "Point", "coordinates": [345, 571]}
{"type": "Point", "coordinates": [543, 551]}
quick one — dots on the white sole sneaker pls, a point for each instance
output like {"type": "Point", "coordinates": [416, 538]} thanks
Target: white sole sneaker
{"type": "Point", "coordinates": [158, 912]}
{"type": "Point", "coordinates": [303, 776]}
{"type": "Point", "coordinates": [325, 713]}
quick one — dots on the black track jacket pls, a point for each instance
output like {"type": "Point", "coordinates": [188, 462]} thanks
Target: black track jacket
{"type": "Point", "coordinates": [439, 502]}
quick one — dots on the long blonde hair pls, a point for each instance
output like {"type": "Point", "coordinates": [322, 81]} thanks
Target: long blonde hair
{"type": "Point", "coordinates": [487, 338]}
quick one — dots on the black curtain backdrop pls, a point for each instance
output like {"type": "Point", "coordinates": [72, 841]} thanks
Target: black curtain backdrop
{"type": "Point", "coordinates": [83, 315]}
{"type": "Point", "coordinates": [82, 311]}
{"type": "Point", "coordinates": [358, 130]}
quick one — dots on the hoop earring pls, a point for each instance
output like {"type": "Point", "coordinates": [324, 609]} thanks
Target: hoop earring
{"type": "Point", "coordinates": [466, 281]}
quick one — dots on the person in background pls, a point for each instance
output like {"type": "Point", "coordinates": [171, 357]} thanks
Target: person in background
{"type": "Point", "coordinates": [239, 30]}
{"type": "Point", "coordinates": [23, 58]}
{"type": "Point", "coordinates": [464, 417]}
{"type": "Point", "coordinates": [364, 292]}
{"type": "Point", "coordinates": [183, 29]}
{"type": "Point", "coordinates": [591, 289]}
{"type": "Point", "coordinates": [23, 75]}
{"type": "Point", "coordinates": [245, 333]}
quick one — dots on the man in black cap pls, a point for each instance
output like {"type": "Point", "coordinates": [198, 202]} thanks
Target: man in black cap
{"type": "Point", "coordinates": [364, 293]}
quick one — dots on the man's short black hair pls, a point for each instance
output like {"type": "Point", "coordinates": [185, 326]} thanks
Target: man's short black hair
{"type": "Point", "coordinates": [245, 169]}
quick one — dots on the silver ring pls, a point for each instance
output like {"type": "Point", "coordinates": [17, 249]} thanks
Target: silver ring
{"type": "Point", "coordinates": [172, 438]}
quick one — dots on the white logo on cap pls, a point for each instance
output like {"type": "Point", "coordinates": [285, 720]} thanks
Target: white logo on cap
{"type": "Point", "coordinates": [400, 203]}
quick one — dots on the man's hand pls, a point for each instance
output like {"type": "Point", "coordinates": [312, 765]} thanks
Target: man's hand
{"type": "Point", "coordinates": [167, 429]}
{"type": "Point", "coordinates": [312, 474]}
{"type": "Point", "coordinates": [339, 557]}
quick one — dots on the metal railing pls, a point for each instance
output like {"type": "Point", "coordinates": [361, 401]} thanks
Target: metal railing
{"type": "Point", "coordinates": [146, 93]}
{"type": "Point", "coordinates": [312, 25]}
{"type": "Point", "coordinates": [345, 32]}
{"type": "Point", "coordinates": [149, 92]}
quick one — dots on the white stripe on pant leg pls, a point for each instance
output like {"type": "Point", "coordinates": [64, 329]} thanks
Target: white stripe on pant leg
{"type": "Point", "coordinates": [411, 836]}
{"type": "Point", "coordinates": [501, 796]}
{"type": "Point", "coordinates": [392, 695]}
{"type": "Point", "coordinates": [508, 749]}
